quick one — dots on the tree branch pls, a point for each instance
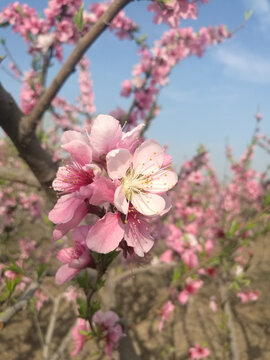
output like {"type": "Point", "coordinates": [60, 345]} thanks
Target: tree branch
{"type": "Point", "coordinates": [39, 161]}
{"type": "Point", "coordinates": [30, 122]}
{"type": "Point", "coordinates": [20, 304]}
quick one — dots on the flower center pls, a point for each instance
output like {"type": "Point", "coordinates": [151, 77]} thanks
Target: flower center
{"type": "Point", "coordinates": [133, 183]}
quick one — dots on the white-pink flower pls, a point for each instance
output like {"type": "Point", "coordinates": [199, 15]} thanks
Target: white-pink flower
{"type": "Point", "coordinates": [145, 178]}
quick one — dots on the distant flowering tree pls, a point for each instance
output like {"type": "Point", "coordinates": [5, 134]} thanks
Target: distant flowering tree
{"type": "Point", "coordinates": [112, 189]}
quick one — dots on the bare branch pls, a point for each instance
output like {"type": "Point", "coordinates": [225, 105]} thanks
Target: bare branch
{"type": "Point", "coordinates": [30, 122]}
{"type": "Point", "coordinates": [19, 175]}
{"type": "Point", "coordinates": [64, 344]}
{"type": "Point", "coordinates": [39, 161]}
{"type": "Point", "coordinates": [19, 305]}
{"type": "Point", "coordinates": [51, 327]}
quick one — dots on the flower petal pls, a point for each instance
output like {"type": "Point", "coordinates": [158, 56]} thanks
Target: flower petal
{"type": "Point", "coordinates": [148, 157]}
{"type": "Point", "coordinates": [131, 138]}
{"type": "Point", "coordinates": [162, 181]}
{"type": "Point", "coordinates": [80, 151]}
{"type": "Point", "coordinates": [138, 236]}
{"type": "Point", "coordinates": [65, 273]}
{"type": "Point", "coordinates": [61, 229]}
{"type": "Point", "coordinates": [65, 255]}
{"type": "Point", "coordinates": [106, 234]}
{"type": "Point", "coordinates": [148, 204]}
{"type": "Point", "coordinates": [120, 200]}
{"type": "Point", "coordinates": [118, 161]}
{"type": "Point", "coordinates": [105, 134]}
{"type": "Point", "coordinates": [103, 191]}
{"type": "Point", "coordinates": [64, 209]}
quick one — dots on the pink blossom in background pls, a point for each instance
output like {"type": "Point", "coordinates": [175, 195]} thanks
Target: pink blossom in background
{"type": "Point", "coordinates": [198, 352]}
{"type": "Point", "coordinates": [246, 296]}
{"type": "Point", "coordinates": [40, 298]}
{"type": "Point", "coordinates": [167, 308]}
{"type": "Point", "coordinates": [108, 323]}
{"type": "Point", "coordinates": [191, 288]}
{"type": "Point", "coordinates": [78, 338]}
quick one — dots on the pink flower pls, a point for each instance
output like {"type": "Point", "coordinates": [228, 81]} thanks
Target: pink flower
{"type": "Point", "coordinates": [246, 296]}
{"type": "Point", "coordinates": [78, 338]}
{"type": "Point", "coordinates": [168, 307]}
{"type": "Point", "coordinates": [106, 134]}
{"type": "Point", "coordinates": [112, 331]}
{"type": "Point", "coordinates": [192, 287]}
{"type": "Point", "coordinates": [144, 180]}
{"type": "Point", "coordinates": [108, 232]}
{"type": "Point", "coordinates": [198, 352]}
{"type": "Point", "coordinates": [75, 258]}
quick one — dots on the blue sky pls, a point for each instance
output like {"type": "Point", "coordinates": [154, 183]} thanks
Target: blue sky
{"type": "Point", "coordinates": [211, 100]}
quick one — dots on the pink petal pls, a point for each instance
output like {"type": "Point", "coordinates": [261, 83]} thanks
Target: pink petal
{"type": "Point", "coordinates": [64, 209]}
{"type": "Point", "coordinates": [131, 138]}
{"type": "Point", "coordinates": [62, 229]}
{"type": "Point", "coordinates": [79, 234]}
{"type": "Point", "coordinates": [138, 235]}
{"type": "Point", "coordinates": [148, 157]}
{"type": "Point", "coordinates": [65, 273]}
{"type": "Point", "coordinates": [65, 255]}
{"type": "Point", "coordinates": [118, 161]}
{"type": "Point", "coordinates": [148, 204]}
{"type": "Point", "coordinates": [71, 135]}
{"type": "Point", "coordinates": [183, 297]}
{"type": "Point", "coordinates": [103, 191]}
{"type": "Point", "coordinates": [80, 151]}
{"type": "Point", "coordinates": [105, 134]}
{"type": "Point", "coordinates": [106, 234]}
{"type": "Point", "coordinates": [120, 200]}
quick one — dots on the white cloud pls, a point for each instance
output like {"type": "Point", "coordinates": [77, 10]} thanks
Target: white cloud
{"type": "Point", "coordinates": [261, 10]}
{"type": "Point", "coordinates": [244, 64]}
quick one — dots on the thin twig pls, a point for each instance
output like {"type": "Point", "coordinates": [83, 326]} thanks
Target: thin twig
{"type": "Point", "coordinates": [37, 324]}
{"type": "Point", "coordinates": [19, 305]}
{"type": "Point", "coordinates": [64, 344]}
{"type": "Point", "coordinates": [50, 329]}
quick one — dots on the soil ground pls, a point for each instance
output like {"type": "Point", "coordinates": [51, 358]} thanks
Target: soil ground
{"type": "Point", "coordinates": [137, 298]}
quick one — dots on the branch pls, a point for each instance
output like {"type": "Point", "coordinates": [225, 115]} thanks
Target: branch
{"type": "Point", "coordinates": [20, 304]}
{"type": "Point", "coordinates": [30, 122]}
{"type": "Point", "coordinates": [18, 175]}
{"type": "Point", "coordinates": [231, 336]}
{"type": "Point", "coordinates": [51, 327]}
{"type": "Point", "coordinates": [64, 344]}
{"type": "Point", "coordinates": [38, 159]}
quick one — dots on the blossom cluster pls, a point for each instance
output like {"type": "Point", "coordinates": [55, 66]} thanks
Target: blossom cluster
{"type": "Point", "coordinates": [153, 70]}
{"type": "Point", "coordinates": [115, 176]}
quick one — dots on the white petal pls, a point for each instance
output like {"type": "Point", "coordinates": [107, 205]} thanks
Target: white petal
{"type": "Point", "coordinates": [148, 204]}
{"type": "Point", "coordinates": [161, 181]}
{"type": "Point", "coordinates": [118, 161]}
{"type": "Point", "coordinates": [120, 200]}
{"type": "Point", "coordinates": [148, 157]}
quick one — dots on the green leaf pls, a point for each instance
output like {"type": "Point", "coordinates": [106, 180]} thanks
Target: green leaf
{"type": "Point", "coordinates": [78, 19]}
{"type": "Point", "coordinates": [3, 42]}
{"type": "Point", "coordinates": [41, 269]}
{"type": "Point", "coordinates": [2, 58]}
{"type": "Point", "coordinates": [233, 228]}
{"type": "Point", "coordinates": [83, 281]}
{"type": "Point", "coordinates": [248, 14]}
{"type": "Point", "coordinates": [11, 285]}
{"type": "Point", "coordinates": [178, 272]}
{"type": "Point", "coordinates": [94, 307]}
{"type": "Point", "coordinates": [82, 308]}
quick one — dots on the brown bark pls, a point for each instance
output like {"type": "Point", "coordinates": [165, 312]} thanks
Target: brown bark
{"type": "Point", "coordinates": [38, 159]}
